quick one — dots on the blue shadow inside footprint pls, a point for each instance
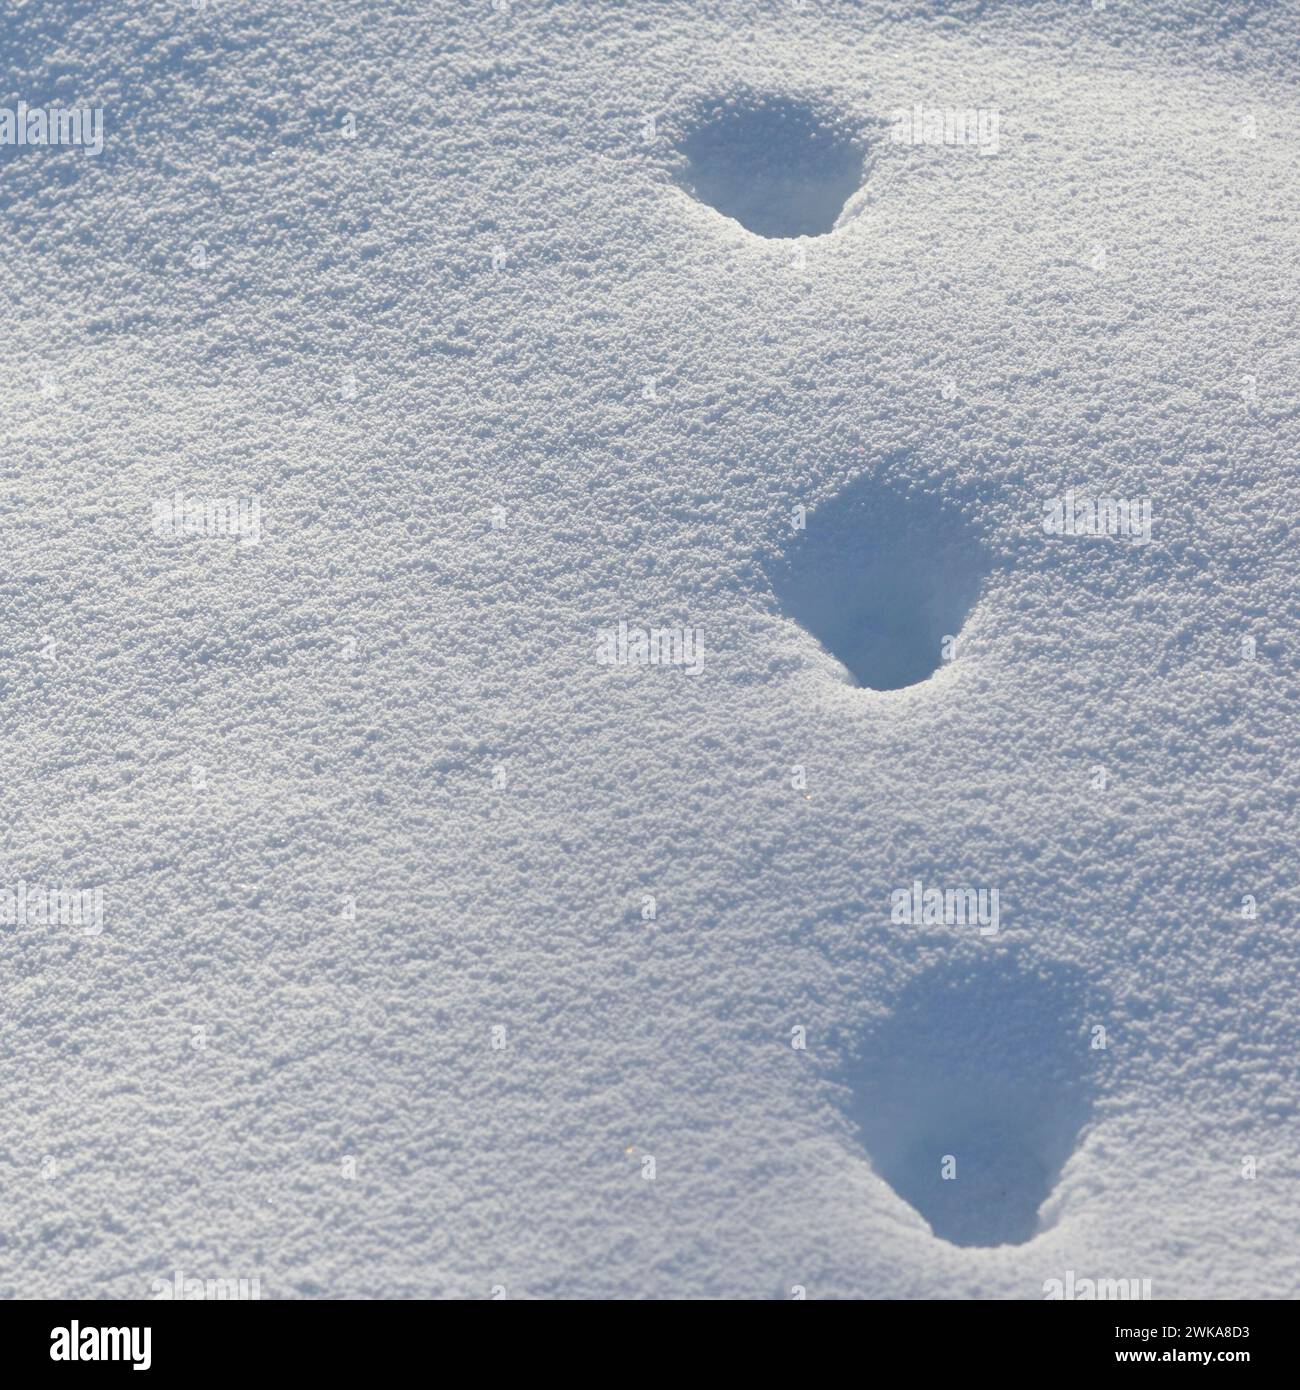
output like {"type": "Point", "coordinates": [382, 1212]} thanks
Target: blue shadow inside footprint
{"type": "Point", "coordinates": [880, 579]}
{"type": "Point", "coordinates": [989, 1069]}
{"type": "Point", "coordinates": [773, 164]}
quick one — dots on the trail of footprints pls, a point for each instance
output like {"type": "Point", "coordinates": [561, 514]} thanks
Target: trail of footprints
{"type": "Point", "coordinates": [970, 1096]}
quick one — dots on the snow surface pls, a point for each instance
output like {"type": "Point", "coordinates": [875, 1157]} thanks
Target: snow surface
{"type": "Point", "coordinates": [501, 376]}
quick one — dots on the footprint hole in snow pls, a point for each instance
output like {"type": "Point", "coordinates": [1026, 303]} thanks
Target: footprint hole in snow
{"type": "Point", "coordinates": [881, 578]}
{"type": "Point", "coordinates": [988, 1066]}
{"type": "Point", "coordinates": [779, 166]}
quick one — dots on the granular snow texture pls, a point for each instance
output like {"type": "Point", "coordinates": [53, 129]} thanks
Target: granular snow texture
{"type": "Point", "coordinates": [442, 955]}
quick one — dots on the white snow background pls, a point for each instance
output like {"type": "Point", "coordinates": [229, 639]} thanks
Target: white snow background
{"type": "Point", "coordinates": [395, 699]}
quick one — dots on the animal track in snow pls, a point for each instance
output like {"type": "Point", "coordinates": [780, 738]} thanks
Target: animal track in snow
{"type": "Point", "coordinates": [774, 164]}
{"type": "Point", "coordinates": [880, 579]}
{"type": "Point", "coordinates": [984, 1068]}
